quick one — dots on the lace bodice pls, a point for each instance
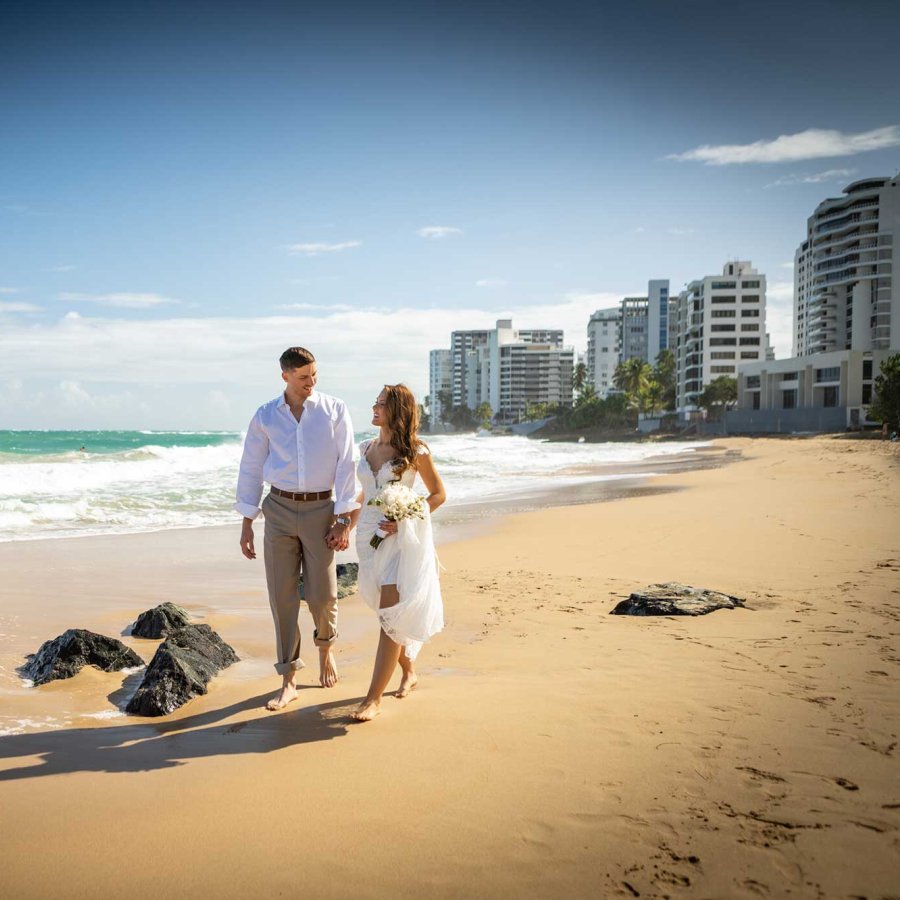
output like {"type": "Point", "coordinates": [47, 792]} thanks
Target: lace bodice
{"type": "Point", "coordinates": [372, 482]}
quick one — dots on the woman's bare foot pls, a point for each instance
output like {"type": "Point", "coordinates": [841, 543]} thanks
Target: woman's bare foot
{"type": "Point", "coordinates": [366, 710]}
{"type": "Point", "coordinates": [407, 683]}
{"type": "Point", "coordinates": [287, 693]}
{"type": "Point", "coordinates": [328, 673]}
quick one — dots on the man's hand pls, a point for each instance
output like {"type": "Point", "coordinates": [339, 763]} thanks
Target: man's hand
{"type": "Point", "coordinates": [338, 537]}
{"type": "Point", "coordinates": [247, 539]}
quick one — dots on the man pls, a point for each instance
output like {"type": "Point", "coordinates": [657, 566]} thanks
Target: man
{"type": "Point", "coordinates": [301, 443]}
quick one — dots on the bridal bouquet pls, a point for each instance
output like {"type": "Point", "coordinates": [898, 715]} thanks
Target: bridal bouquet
{"type": "Point", "coordinates": [396, 502]}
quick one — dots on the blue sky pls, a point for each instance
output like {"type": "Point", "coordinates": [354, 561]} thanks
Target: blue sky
{"type": "Point", "coordinates": [188, 188]}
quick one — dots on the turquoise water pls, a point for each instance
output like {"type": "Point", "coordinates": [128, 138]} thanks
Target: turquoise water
{"type": "Point", "coordinates": [50, 443]}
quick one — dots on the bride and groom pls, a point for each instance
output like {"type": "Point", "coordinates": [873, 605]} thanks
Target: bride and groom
{"type": "Point", "coordinates": [301, 444]}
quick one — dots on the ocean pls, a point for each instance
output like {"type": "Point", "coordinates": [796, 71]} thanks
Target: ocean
{"type": "Point", "coordinates": [137, 481]}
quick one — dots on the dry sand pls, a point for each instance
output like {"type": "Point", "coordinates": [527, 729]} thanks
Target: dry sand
{"type": "Point", "coordinates": [552, 750]}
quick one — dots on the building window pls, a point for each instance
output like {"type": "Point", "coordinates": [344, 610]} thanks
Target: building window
{"type": "Point", "coordinates": [749, 354]}
{"type": "Point", "coordinates": [832, 373]}
{"type": "Point", "coordinates": [724, 313]}
{"type": "Point", "coordinates": [750, 327]}
{"type": "Point", "coordinates": [753, 381]}
{"type": "Point", "coordinates": [750, 298]}
{"type": "Point", "coordinates": [867, 370]}
{"type": "Point", "coordinates": [867, 393]}
{"type": "Point", "coordinates": [789, 399]}
{"type": "Point", "coordinates": [749, 342]}
{"type": "Point", "coordinates": [722, 370]}
{"type": "Point", "coordinates": [830, 396]}
{"type": "Point", "coordinates": [750, 284]}
{"type": "Point", "coordinates": [756, 400]}
{"type": "Point", "coordinates": [749, 313]}
{"type": "Point", "coordinates": [724, 342]}
{"type": "Point", "coordinates": [722, 328]}
{"type": "Point", "coordinates": [725, 299]}
{"type": "Point", "coordinates": [722, 355]}
{"type": "Point", "coordinates": [726, 285]}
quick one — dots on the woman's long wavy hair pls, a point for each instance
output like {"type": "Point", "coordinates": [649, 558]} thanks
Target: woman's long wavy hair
{"type": "Point", "coordinates": [403, 421]}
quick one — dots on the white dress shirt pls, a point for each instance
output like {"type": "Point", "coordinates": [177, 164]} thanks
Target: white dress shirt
{"type": "Point", "coordinates": [314, 454]}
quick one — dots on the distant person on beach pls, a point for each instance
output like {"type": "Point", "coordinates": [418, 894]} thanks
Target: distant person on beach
{"type": "Point", "coordinates": [398, 576]}
{"type": "Point", "coordinates": [301, 444]}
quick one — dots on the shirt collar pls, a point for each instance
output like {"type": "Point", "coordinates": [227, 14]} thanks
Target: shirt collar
{"type": "Point", "coordinates": [311, 400]}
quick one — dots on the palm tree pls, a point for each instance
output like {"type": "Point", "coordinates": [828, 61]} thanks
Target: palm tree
{"type": "Point", "coordinates": [633, 376]}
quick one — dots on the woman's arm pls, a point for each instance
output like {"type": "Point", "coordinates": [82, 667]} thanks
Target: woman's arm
{"type": "Point", "coordinates": [436, 493]}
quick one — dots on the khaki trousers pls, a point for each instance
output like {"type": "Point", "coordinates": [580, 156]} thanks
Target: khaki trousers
{"type": "Point", "coordinates": [295, 539]}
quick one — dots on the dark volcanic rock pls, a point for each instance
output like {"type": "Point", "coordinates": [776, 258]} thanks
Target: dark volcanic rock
{"type": "Point", "coordinates": [66, 655]}
{"type": "Point", "coordinates": [159, 621]}
{"type": "Point", "coordinates": [183, 665]}
{"type": "Point", "coordinates": [347, 574]}
{"type": "Point", "coordinates": [674, 599]}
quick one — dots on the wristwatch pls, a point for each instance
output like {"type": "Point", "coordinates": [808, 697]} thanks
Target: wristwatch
{"type": "Point", "coordinates": [342, 520]}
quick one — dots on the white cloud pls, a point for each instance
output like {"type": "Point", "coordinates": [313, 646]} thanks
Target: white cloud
{"type": "Point", "coordinates": [680, 231]}
{"type": "Point", "coordinates": [315, 307]}
{"type": "Point", "coordinates": [172, 365]}
{"type": "Point", "coordinates": [63, 268]}
{"type": "Point", "coordinates": [780, 316]}
{"type": "Point", "coordinates": [12, 307]}
{"type": "Point", "coordinates": [814, 178]}
{"type": "Point", "coordinates": [9, 290]}
{"type": "Point", "coordinates": [435, 232]}
{"type": "Point", "coordinates": [121, 300]}
{"type": "Point", "coordinates": [318, 248]}
{"type": "Point", "coordinates": [814, 143]}
{"type": "Point", "coordinates": [491, 283]}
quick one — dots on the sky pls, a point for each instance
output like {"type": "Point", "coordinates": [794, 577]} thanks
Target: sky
{"type": "Point", "coordinates": [189, 188]}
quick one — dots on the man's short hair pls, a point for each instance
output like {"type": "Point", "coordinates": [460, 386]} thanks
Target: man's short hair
{"type": "Point", "coordinates": [295, 358]}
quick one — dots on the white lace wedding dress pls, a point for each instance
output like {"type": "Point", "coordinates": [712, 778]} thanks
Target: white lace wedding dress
{"type": "Point", "coordinates": [406, 559]}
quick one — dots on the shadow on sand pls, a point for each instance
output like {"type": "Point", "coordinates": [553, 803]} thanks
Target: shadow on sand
{"type": "Point", "coordinates": [161, 745]}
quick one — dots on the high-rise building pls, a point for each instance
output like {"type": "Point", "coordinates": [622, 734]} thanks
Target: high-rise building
{"type": "Point", "coordinates": [657, 317]}
{"type": "Point", "coordinates": [846, 318]}
{"type": "Point", "coordinates": [467, 366]}
{"type": "Point", "coordinates": [720, 324]}
{"type": "Point", "coordinates": [440, 383]}
{"type": "Point", "coordinates": [633, 328]}
{"type": "Point", "coordinates": [844, 295]}
{"type": "Point", "coordinates": [603, 349]}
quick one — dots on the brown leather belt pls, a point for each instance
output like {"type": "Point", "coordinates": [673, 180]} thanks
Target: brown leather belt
{"type": "Point", "coordinates": [315, 495]}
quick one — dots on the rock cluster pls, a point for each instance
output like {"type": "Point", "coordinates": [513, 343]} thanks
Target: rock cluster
{"type": "Point", "coordinates": [159, 621]}
{"type": "Point", "coordinates": [674, 599]}
{"type": "Point", "coordinates": [68, 654]}
{"type": "Point", "coordinates": [181, 668]}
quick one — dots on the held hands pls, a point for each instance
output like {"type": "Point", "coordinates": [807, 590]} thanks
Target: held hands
{"type": "Point", "coordinates": [388, 527]}
{"type": "Point", "coordinates": [338, 537]}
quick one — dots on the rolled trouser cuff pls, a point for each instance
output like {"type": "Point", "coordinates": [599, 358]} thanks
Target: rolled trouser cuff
{"type": "Point", "coordinates": [288, 667]}
{"type": "Point", "coordinates": [321, 642]}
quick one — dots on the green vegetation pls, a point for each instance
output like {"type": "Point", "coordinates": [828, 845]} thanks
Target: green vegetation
{"type": "Point", "coordinates": [718, 396]}
{"type": "Point", "coordinates": [886, 402]}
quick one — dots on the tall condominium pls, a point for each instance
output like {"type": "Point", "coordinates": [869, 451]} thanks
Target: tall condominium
{"type": "Point", "coordinates": [844, 295]}
{"type": "Point", "coordinates": [467, 365]}
{"type": "Point", "coordinates": [526, 368]}
{"type": "Point", "coordinates": [720, 324]}
{"type": "Point", "coordinates": [633, 328]}
{"type": "Point", "coordinates": [440, 385]}
{"type": "Point", "coordinates": [603, 349]}
{"type": "Point", "coordinates": [657, 317]}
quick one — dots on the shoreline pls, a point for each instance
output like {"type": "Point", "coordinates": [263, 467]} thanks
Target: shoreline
{"type": "Point", "coordinates": [739, 754]}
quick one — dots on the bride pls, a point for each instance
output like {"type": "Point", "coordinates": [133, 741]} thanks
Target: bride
{"type": "Point", "coordinates": [399, 579]}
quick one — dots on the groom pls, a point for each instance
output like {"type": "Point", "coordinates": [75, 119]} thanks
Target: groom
{"type": "Point", "coordinates": [301, 443]}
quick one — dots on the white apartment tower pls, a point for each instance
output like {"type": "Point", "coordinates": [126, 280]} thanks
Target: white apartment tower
{"type": "Point", "coordinates": [720, 324]}
{"type": "Point", "coordinates": [657, 317]}
{"type": "Point", "coordinates": [440, 383]}
{"type": "Point", "coordinates": [844, 294]}
{"type": "Point", "coordinates": [603, 349]}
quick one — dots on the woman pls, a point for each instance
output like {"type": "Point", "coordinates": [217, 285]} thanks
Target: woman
{"type": "Point", "coordinates": [399, 579]}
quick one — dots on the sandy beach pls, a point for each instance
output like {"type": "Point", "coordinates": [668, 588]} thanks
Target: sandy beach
{"type": "Point", "coordinates": [551, 750]}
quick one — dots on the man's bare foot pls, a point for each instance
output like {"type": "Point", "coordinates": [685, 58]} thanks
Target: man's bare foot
{"type": "Point", "coordinates": [407, 683]}
{"type": "Point", "coordinates": [328, 673]}
{"type": "Point", "coordinates": [287, 693]}
{"type": "Point", "coordinates": [366, 710]}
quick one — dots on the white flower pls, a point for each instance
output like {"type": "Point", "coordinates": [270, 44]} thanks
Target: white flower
{"type": "Point", "coordinates": [397, 502]}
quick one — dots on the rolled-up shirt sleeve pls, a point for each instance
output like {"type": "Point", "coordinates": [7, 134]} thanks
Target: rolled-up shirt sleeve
{"type": "Point", "coordinates": [250, 477]}
{"type": "Point", "coordinates": [345, 489]}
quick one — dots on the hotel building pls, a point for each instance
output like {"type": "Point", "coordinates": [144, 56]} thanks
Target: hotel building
{"type": "Point", "coordinates": [440, 373]}
{"type": "Point", "coordinates": [603, 349]}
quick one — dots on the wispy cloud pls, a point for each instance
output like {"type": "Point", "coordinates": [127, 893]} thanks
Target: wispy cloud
{"type": "Point", "coordinates": [435, 232]}
{"type": "Point", "coordinates": [121, 300]}
{"type": "Point", "coordinates": [814, 143]}
{"type": "Point", "coordinates": [680, 231]}
{"type": "Point", "coordinates": [13, 307]}
{"type": "Point", "coordinates": [9, 290]}
{"type": "Point", "coordinates": [63, 268]}
{"type": "Point", "coordinates": [491, 283]}
{"type": "Point", "coordinates": [814, 178]}
{"type": "Point", "coordinates": [315, 307]}
{"type": "Point", "coordinates": [320, 247]}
